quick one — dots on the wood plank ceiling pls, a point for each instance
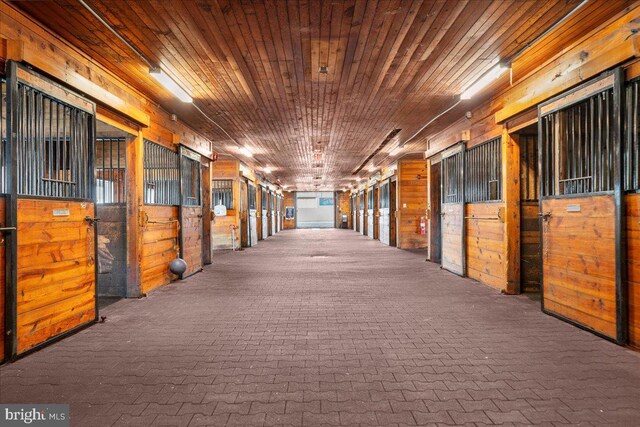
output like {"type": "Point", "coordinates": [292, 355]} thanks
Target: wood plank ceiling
{"type": "Point", "coordinates": [253, 66]}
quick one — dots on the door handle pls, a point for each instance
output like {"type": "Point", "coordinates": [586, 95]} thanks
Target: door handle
{"type": "Point", "coordinates": [545, 216]}
{"type": "Point", "coordinates": [91, 221]}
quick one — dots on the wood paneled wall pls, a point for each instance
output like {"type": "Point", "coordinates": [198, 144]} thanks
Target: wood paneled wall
{"type": "Point", "coordinates": [160, 245]}
{"type": "Point", "coordinates": [412, 185]}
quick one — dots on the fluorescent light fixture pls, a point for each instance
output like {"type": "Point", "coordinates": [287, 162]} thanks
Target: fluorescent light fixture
{"type": "Point", "coordinates": [267, 169]}
{"type": "Point", "coordinates": [170, 85]}
{"type": "Point", "coordinates": [492, 75]}
{"type": "Point", "coordinates": [358, 179]}
{"type": "Point", "coordinates": [245, 151]}
{"type": "Point", "coordinates": [395, 151]}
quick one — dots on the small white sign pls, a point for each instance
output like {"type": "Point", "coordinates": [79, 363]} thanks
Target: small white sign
{"type": "Point", "coordinates": [61, 212]}
{"type": "Point", "coordinates": [573, 208]}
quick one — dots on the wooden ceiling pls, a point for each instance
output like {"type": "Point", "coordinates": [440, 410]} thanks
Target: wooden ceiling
{"type": "Point", "coordinates": [253, 66]}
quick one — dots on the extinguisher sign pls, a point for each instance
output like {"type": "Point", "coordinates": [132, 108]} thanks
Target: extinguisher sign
{"type": "Point", "coordinates": [423, 226]}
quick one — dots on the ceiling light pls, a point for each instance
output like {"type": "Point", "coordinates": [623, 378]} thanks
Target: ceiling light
{"type": "Point", "coordinates": [267, 169]}
{"type": "Point", "coordinates": [170, 85]}
{"type": "Point", "coordinates": [246, 151]}
{"type": "Point", "coordinates": [358, 179]}
{"type": "Point", "coordinates": [484, 81]}
{"type": "Point", "coordinates": [395, 151]}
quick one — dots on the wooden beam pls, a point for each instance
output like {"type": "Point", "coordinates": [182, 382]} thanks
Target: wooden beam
{"type": "Point", "coordinates": [511, 191]}
{"type": "Point", "coordinates": [135, 199]}
{"type": "Point", "coordinates": [609, 47]}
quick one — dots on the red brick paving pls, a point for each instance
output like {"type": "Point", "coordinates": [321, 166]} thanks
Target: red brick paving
{"type": "Point", "coordinates": [328, 327]}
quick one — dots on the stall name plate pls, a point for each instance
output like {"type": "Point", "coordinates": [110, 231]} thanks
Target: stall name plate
{"type": "Point", "coordinates": [61, 212]}
{"type": "Point", "coordinates": [573, 208]}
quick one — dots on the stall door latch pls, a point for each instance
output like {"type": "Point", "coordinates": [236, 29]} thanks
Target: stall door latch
{"type": "Point", "coordinates": [545, 216]}
{"type": "Point", "coordinates": [91, 221]}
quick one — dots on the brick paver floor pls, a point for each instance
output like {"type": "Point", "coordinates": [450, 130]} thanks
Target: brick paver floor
{"type": "Point", "coordinates": [329, 327]}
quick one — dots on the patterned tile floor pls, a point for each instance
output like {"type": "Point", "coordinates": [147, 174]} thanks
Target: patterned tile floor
{"type": "Point", "coordinates": [317, 327]}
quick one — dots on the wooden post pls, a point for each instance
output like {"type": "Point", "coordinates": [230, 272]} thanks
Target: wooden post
{"type": "Point", "coordinates": [511, 191]}
{"type": "Point", "coordinates": [206, 211]}
{"type": "Point", "coordinates": [135, 201]}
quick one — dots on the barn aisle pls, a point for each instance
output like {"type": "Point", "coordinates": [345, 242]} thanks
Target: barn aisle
{"type": "Point", "coordinates": [329, 327]}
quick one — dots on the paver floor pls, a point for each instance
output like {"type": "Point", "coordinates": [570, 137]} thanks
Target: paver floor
{"type": "Point", "coordinates": [329, 327]}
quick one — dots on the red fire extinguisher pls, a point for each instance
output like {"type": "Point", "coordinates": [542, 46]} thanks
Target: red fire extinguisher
{"type": "Point", "coordinates": [423, 226]}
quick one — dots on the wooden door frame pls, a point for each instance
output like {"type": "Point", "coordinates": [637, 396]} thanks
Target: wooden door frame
{"type": "Point", "coordinates": [572, 97]}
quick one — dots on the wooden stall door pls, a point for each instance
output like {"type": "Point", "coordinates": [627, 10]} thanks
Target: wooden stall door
{"type": "Point", "coordinates": [435, 235]}
{"type": "Point", "coordinates": [393, 204]}
{"type": "Point", "coordinates": [55, 269]}
{"type": "Point", "coordinates": [191, 211]}
{"type": "Point", "coordinates": [383, 214]}
{"type": "Point", "coordinates": [578, 260]}
{"type": "Point", "coordinates": [2, 281]}
{"type": "Point", "coordinates": [264, 201]}
{"type": "Point", "coordinates": [581, 207]}
{"type": "Point", "coordinates": [452, 215]}
{"type": "Point", "coordinates": [244, 215]}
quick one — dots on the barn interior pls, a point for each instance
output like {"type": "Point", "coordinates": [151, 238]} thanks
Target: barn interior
{"type": "Point", "coordinates": [305, 212]}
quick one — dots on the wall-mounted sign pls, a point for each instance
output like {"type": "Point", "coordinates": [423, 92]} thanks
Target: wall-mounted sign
{"type": "Point", "coordinates": [289, 212]}
{"type": "Point", "coordinates": [61, 212]}
{"type": "Point", "coordinates": [325, 201]}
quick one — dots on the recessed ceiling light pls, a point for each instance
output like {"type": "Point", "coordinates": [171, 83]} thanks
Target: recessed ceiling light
{"type": "Point", "coordinates": [323, 69]}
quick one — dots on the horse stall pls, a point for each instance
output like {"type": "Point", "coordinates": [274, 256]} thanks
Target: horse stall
{"type": "Point", "coordinates": [354, 214]}
{"type": "Point", "coordinates": [244, 214]}
{"type": "Point", "coordinates": [160, 215]}
{"type": "Point", "coordinates": [581, 203]}
{"type": "Point", "coordinates": [530, 245]}
{"type": "Point", "coordinates": [484, 213]}
{"type": "Point", "coordinates": [278, 213]}
{"type": "Point", "coordinates": [369, 213]}
{"type": "Point", "coordinates": [632, 206]}
{"type": "Point", "coordinates": [452, 206]}
{"type": "Point", "coordinates": [253, 214]}
{"type": "Point", "coordinates": [272, 213]}
{"type": "Point", "coordinates": [5, 230]}
{"type": "Point", "coordinates": [191, 211]}
{"type": "Point", "coordinates": [435, 209]}
{"type": "Point", "coordinates": [111, 208]}
{"type": "Point", "coordinates": [361, 213]}
{"type": "Point", "coordinates": [264, 201]}
{"type": "Point", "coordinates": [387, 220]}
{"type": "Point", "coordinates": [50, 238]}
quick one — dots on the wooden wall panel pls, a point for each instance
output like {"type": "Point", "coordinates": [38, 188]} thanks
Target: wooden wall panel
{"type": "Point", "coordinates": [412, 185]}
{"type": "Point", "coordinates": [191, 228]}
{"type": "Point", "coordinates": [579, 278]}
{"type": "Point", "coordinates": [632, 202]}
{"type": "Point", "coordinates": [485, 243]}
{"type": "Point", "coordinates": [56, 270]}
{"type": "Point", "coordinates": [160, 246]}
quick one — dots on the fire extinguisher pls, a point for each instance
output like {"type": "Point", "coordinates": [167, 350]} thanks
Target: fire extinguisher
{"type": "Point", "coordinates": [423, 226]}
